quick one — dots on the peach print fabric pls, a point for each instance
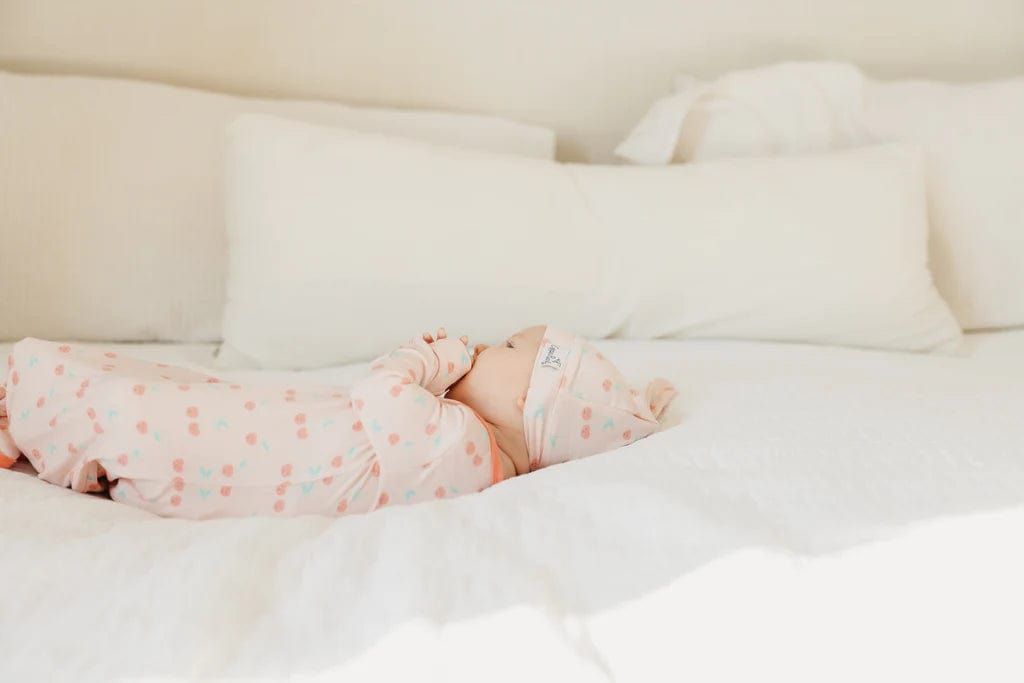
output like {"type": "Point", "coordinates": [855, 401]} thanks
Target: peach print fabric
{"type": "Point", "coordinates": [183, 444]}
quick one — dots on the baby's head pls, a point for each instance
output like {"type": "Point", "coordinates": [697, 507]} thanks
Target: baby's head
{"type": "Point", "coordinates": [559, 395]}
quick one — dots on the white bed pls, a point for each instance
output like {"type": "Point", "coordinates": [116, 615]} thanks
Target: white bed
{"type": "Point", "coordinates": [817, 514]}
{"type": "Point", "coordinates": [709, 551]}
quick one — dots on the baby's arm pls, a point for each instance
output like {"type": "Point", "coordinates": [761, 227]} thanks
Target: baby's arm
{"type": "Point", "coordinates": [398, 403]}
{"type": "Point", "coordinates": [433, 364]}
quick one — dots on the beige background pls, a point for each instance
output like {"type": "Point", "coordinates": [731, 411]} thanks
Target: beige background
{"type": "Point", "coordinates": [587, 68]}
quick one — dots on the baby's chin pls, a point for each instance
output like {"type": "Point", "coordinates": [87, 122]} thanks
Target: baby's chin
{"type": "Point", "coordinates": [456, 392]}
{"type": "Point", "coordinates": [470, 394]}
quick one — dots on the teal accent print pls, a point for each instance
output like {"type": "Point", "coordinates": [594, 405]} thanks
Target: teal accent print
{"type": "Point", "coordinates": [539, 413]}
{"type": "Point", "coordinates": [552, 440]}
{"type": "Point", "coordinates": [264, 402]}
{"type": "Point", "coordinates": [352, 450]}
{"type": "Point", "coordinates": [327, 423]}
{"type": "Point", "coordinates": [205, 472]}
{"type": "Point", "coordinates": [355, 494]}
{"type": "Point", "coordinates": [314, 471]}
{"type": "Point", "coordinates": [307, 486]}
{"type": "Point", "coordinates": [608, 424]}
{"type": "Point", "coordinates": [454, 490]}
{"type": "Point", "coordinates": [408, 443]}
{"type": "Point", "coordinates": [53, 448]}
{"type": "Point", "coordinates": [33, 361]}
{"type": "Point", "coordinates": [24, 414]}
{"type": "Point", "coordinates": [409, 494]}
{"type": "Point", "coordinates": [52, 393]}
{"type": "Point", "coordinates": [204, 493]}
{"type": "Point", "coordinates": [437, 440]}
{"type": "Point", "coordinates": [136, 454]}
{"type": "Point", "coordinates": [265, 444]}
{"type": "Point", "coordinates": [376, 427]}
{"type": "Point", "coordinates": [71, 374]}
{"type": "Point", "coordinates": [242, 464]}
{"type": "Point", "coordinates": [156, 435]}
{"type": "Point", "coordinates": [420, 400]}
{"type": "Point", "coordinates": [111, 414]}
{"type": "Point", "coordinates": [90, 478]}
{"type": "Point", "coordinates": [121, 493]}
{"type": "Point", "coordinates": [222, 424]}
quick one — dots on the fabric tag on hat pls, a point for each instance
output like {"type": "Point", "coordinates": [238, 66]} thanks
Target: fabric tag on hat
{"type": "Point", "coordinates": [553, 356]}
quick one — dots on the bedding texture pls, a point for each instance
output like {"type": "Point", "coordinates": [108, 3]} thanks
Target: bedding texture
{"type": "Point", "coordinates": [111, 199]}
{"type": "Point", "coordinates": [811, 507]}
{"type": "Point", "coordinates": [827, 250]}
{"type": "Point", "coordinates": [971, 134]}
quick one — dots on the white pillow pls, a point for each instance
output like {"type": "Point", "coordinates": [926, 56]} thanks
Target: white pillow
{"type": "Point", "coordinates": [972, 135]}
{"type": "Point", "coordinates": [111, 199]}
{"type": "Point", "coordinates": [343, 244]}
{"type": "Point", "coordinates": [787, 108]}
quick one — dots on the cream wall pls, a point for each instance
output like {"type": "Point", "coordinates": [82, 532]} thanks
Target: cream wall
{"type": "Point", "coordinates": [587, 68]}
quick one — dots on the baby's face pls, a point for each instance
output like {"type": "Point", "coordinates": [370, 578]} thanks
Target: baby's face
{"type": "Point", "coordinates": [496, 385]}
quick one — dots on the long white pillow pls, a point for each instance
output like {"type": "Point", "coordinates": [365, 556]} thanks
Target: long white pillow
{"type": "Point", "coordinates": [343, 243]}
{"type": "Point", "coordinates": [972, 135]}
{"type": "Point", "coordinates": [111, 199]}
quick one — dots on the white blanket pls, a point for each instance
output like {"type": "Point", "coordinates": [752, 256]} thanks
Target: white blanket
{"type": "Point", "coordinates": [806, 520]}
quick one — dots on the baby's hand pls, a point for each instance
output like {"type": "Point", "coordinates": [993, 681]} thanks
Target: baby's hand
{"type": "Point", "coordinates": [453, 357]}
{"type": "Point", "coordinates": [441, 334]}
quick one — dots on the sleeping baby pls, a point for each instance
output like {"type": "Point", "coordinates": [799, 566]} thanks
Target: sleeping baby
{"type": "Point", "coordinates": [433, 419]}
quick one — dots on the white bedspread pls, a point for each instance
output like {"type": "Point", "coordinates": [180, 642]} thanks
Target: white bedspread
{"type": "Point", "coordinates": [818, 514]}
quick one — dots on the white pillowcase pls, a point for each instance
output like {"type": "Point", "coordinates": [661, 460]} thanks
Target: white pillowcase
{"type": "Point", "coordinates": [343, 244]}
{"type": "Point", "coordinates": [111, 199]}
{"type": "Point", "coordinates": [972, 135]}
{"type": "Point", "coordinates": [787, 108]}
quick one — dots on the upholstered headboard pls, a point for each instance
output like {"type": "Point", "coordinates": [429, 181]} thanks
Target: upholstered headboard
{"type": "Point", "coordinates": [587, 68]}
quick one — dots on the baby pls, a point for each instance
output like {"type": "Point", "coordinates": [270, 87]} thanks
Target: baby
{"type": "Point", "coordinates": [183, 444]}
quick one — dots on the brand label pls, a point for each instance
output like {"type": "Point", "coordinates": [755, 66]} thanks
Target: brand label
{"type": "Point", "coordinates": [553, 356]}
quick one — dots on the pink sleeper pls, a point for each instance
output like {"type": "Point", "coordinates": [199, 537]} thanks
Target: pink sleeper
{"type": "Point", "coordinates": [183, 444]}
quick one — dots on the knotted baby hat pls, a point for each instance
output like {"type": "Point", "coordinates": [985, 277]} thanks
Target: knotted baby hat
{"type": "Point", "coordinates": [578, 403]}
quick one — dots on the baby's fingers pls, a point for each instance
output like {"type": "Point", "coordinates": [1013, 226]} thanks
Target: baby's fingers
{"type": "Point", "coordinates": [442, 334]}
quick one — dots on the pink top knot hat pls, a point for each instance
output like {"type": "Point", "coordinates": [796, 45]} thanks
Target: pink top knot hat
{"type": "Point", "coordinates": [578, 403]}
